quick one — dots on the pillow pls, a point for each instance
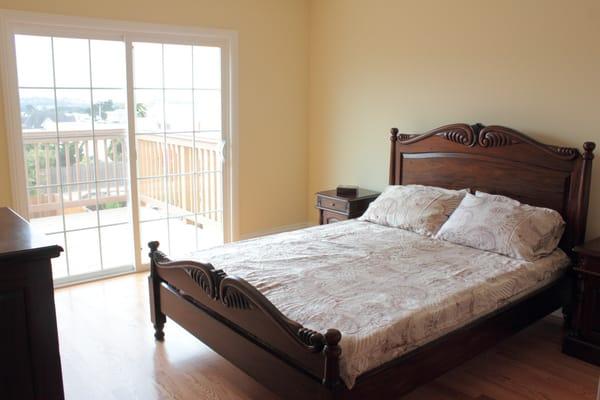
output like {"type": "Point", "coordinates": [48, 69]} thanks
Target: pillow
{"type": "Point", "coordinates": [503, 225]}
{"type": "Point", "coordinates": [417, 208]}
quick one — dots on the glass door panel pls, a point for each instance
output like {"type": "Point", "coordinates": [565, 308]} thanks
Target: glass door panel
{"type": "Point", "coordinates": [74, 129]}
{"type": "Point", "coordinates": [177, 90]}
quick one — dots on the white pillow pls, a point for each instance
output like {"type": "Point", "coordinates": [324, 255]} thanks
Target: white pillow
{"type": "Point", "coordinates": [417, 208]}
{"type": "Point", "coordinates": [503, 225]}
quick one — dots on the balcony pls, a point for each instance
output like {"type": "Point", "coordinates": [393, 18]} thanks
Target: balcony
{"type": "Point", "coordinates": [179, 186]}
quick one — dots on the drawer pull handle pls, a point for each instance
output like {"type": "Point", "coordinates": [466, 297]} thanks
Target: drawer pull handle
{"type": "Point", "coordinates": [332, 204]}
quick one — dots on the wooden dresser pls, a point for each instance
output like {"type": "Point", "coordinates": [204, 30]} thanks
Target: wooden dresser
{"type": "Point", "coordinates": [583, 338]}
{"type": "Point", "coordinates": [334, 208]}
{"type": "Point", "coordinates": [30, 361]}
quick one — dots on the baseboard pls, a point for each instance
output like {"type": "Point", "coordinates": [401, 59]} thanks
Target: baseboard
{"type": "Point", "coordinates": [271, 231]}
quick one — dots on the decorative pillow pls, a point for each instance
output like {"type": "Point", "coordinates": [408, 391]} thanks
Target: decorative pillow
{"type": "Point", "coordinates": [503, 225]}
{"type": "Point", "coordinates": [417, 208]}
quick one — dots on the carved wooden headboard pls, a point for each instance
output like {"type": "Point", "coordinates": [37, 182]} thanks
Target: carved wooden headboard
{"type": "Point", "coordinates": [499, 160]}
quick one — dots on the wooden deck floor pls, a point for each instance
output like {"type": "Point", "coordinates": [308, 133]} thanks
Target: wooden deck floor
{"type": "Point", "coordinates": [108, 352]}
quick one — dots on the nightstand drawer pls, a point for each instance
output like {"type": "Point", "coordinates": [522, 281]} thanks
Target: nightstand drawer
{"type": "Point", "coordinates": [329, 217]}
{"type": "Point", "coordinates": [332, 204]}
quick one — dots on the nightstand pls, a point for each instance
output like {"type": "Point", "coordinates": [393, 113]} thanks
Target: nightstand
{"type": "Point", "coordinates": [583, 337]}
{"type": "Point", "coordinates": [334, 208]}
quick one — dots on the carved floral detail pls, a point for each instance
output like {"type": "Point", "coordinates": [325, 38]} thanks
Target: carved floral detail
{"type": "Point", "coordinates": [490, 138]}
{"type": "Point", "coordinates": [202, 279]}
{"type": "Point", "coordinates": [461, 136]}
{"type": "Point", "coordinates": [233, 298]}
{"type": "Point", "coordinates": [568, 152]}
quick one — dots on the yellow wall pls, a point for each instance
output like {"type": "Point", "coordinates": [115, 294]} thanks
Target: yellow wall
{"type": "Point", "coordinates": [322, 81]}
{"type": "Point", "coordinates": [531, 65]}
{"type": "Point", "coordinates": [272, 88]}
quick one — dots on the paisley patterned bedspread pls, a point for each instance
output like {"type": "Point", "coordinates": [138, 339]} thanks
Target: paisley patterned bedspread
{"type": "Point", "coordinates": [387, 290]}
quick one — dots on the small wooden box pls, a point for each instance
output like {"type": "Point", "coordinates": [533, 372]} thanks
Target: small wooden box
{"type": "Point", "coordinates": [346, 191]}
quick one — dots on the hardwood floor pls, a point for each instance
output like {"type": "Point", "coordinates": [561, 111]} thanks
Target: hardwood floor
{"type": "Point", "coordinates": [108, 352]}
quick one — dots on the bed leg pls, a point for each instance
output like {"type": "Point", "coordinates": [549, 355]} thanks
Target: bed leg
{"type": "Point", "coordinates": [332, 353]}
{"type": "Point", "coordinates": [156, 315]}
{"type": "Point", "coordinates": [570, 291]}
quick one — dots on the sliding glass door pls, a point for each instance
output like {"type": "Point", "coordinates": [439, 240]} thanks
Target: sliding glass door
{"type": "Point", "coordinates": [123, 141]}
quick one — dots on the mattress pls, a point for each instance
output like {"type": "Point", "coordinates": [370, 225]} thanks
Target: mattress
{"type": "Point", "coordinates": [387, 290]}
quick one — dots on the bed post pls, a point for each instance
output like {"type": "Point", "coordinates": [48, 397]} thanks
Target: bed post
{"type": "Point", "coordinates": [584, 193]}
{"type": "Point", "coordinates": [393, 139]}
{"type": "Point", "coordinates": [577, 236]}
{"type": "Point", "coordinates": [157, 317]}
{"type": "Point", "coordinates": [332, 352]}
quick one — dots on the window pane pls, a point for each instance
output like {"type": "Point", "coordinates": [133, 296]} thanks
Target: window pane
{"type": "Point", "coordinates": [34, 60]}
{"type": "Point", "coordinates": [45, 213]}
{"type": "Point", "coordinates": [108, 64]}
{"type": "Point", "coordinates": [72, 62]}
{"type": "Point", "coordinates": [183, 235]}
{"type": "Point", "coordinates": [207, 67]}
{"type": "Point", "coordinates": [76, 160]}
{"type": "Point", "coordinates": [38, 112]}
{"type": "Point", "coordinates": [180, 155]}
{"type": "Point", "coordinates": [207, 112]}
{"type": "Point", "coordinates": [114, 202]}
{"type": "Point", "coordinates": [149, 111]}
{"type": "Point", "coordinates": [111, 158]}
{"type": "Point", "coordinates": [147, 65]}
{"type": "Point", "coordinates": [209, 186]}
{"type": "Point", "coordinates": [179, 111]}
{"type": "Point", "coordinates": [153, 198]}
{"type": "Point", "coordinates": [181, 195]}
{"type": "Point", "coordinates": [110, 109]}
{"type": "Point", "coordinates": [40, 164]}
{"type": "Point", "coordinates": [80, 206]}
{"type": "Point", "coordinates": [74, 110]}
{"type": "Point", "coordinates": [117, 246]}
{"type": "Point", "coordinates": [207, 155]}
{"type": "Point", "coordinates": [151, 157]}
{"type": "Point", "coordinates": [151, 231]}
{"type": "Point", "coordinates": [210, 229]}
{"type": "Point", "coordinates": [178, 66]}
{"type": "Point", "coordinates": [83, 250]}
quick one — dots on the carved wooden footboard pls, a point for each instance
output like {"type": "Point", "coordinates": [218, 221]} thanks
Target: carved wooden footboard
{"type": "Point", "coordinates": [176, 287]}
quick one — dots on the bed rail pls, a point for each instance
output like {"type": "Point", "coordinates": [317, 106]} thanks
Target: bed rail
{"type": "Point", "coordinates": [237, 303]}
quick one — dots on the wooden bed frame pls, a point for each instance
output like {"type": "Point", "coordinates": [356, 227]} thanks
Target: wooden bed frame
{"type": "Point", "coordinates": [238, 322]}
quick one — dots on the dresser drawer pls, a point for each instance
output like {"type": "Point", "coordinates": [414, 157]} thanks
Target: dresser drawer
{"type": "Point", "coordinates": [332, 204]}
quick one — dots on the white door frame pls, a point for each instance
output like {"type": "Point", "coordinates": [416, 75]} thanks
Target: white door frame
{"type": "Point", "coordinates": [15, 22]}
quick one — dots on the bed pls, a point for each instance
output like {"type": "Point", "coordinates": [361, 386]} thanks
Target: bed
{"type": "Point", "coordinates": [329, 312]}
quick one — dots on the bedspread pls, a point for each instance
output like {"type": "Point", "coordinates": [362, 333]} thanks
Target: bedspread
{"type": "Point", "coordinates": [387, 290]}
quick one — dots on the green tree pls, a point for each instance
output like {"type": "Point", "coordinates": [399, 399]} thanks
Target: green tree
{"type": "Point", "coordinates": [141, 110]}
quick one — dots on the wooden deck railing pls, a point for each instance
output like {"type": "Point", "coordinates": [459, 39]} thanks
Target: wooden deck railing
{"type": "Point", "coordinates": [191, 167]}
